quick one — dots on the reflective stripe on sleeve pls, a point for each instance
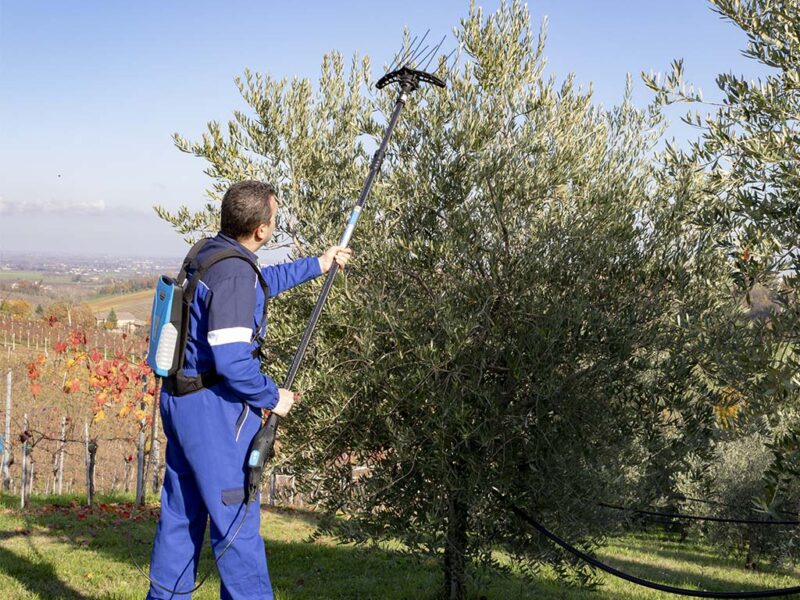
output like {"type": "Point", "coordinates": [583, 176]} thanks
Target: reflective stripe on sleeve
{"type": "Point", "coordinates": [229, 335]}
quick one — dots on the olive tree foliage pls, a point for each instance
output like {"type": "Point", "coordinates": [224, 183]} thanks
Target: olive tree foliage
{"type": "Point", "coordinates": [310, 144]}
{"type": "Point", "coordinates": [519, 312]}
{"type": "Point", "coordinates": [748, 153]}
{"type": "Point", "coordinates": [307, 143]}
{"type": "Point", "coordinates": [731, 481]}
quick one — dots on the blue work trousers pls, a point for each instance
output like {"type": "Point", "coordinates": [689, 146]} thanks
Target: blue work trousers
{"type": "Point", "coordinates": [208, 436]}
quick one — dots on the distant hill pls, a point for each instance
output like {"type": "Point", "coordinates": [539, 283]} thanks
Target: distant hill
{"type": "Point", "coordinates": [138, 304]}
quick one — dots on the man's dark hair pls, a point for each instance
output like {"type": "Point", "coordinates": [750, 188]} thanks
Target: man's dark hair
{"type": "Point", "coordinates": [245, 206]}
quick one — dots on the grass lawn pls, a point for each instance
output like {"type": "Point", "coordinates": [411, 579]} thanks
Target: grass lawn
{"type": "Point", "coordinates": [58, 549]}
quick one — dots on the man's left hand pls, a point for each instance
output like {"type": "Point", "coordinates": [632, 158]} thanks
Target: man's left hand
{"type": "Point", "coordinates": [339, 254]}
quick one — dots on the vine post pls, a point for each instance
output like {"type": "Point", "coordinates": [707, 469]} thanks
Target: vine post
{"type": "Point", "coordinates": [86, 460]}
{"type": "Point", "coordinates": [6, 447]}
{"type": "Point", "coordinates": [24, 440]}
{"type": "Point", "coordinates": [154, 443]}
{"type": "Point", "coordinates": [92, 456]}
{"type": "Point", "coordinates": [140, 442]}
{"type": "Point", "coordinates": [61, 455]}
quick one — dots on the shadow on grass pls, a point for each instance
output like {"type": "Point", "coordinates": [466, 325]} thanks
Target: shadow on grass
{"type": "Point", "coordinates": [37, 577]}
{"type": "Point", "coordinates": [691, 552]}
{"type": "Point", "coordinates": [671, 542]}
{"type": "Point", "coordinates": [687, 555]}
{"type": "Point", "coordinates": [299, 570]}
{"type": "Point", "coordinates": [679, 578]}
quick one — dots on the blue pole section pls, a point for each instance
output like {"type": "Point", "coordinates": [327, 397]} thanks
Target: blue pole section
{"type": "Point", "coordinates": [351, 225]}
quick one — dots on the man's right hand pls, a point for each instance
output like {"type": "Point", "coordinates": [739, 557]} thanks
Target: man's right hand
{"type": "Point", "coordinates": [286, 399]}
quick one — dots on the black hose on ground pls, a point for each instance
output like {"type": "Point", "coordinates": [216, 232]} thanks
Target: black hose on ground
{"type": "Point", "coordinates": [632, 578]}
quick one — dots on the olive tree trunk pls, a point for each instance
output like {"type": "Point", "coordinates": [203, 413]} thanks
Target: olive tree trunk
{"type": "Point", "coordinates": [455, 550]}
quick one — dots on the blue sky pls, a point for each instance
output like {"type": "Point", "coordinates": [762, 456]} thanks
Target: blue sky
{"type": "Point", "coordinates": [91, 91]}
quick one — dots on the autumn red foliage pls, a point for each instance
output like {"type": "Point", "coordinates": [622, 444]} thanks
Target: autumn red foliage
{"type": "Point", "coordinates": [73, 376]}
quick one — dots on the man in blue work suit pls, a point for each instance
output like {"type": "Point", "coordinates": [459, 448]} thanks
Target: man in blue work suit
{"type": "Point", "coordinates": [209, 431]}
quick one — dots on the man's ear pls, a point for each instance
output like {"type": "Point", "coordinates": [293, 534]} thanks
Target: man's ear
{"type": "Point", "coordinates": [260, 233]}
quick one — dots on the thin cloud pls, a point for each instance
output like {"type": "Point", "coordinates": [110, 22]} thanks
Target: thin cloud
{"type": "Point", "coordinates": [21, 207]}
{"type": "Point", "coordinates": [53, 207]}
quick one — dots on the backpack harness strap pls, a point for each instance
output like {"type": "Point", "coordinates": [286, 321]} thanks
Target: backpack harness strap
{"type": "Point", "coordinates": [179, 384]}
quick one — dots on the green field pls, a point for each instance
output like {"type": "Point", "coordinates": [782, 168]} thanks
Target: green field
{"type": "Point", "coordinates": [33, 276]}
{"type": "Point", "coordinates": [27, 275]}
{"type": "Point", "coordinates": [65, 551]}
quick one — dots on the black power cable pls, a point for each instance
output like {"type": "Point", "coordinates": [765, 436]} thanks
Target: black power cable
{"type": "Point", "coordinates": [208, 572]}
{"type": "Point", "coordinates": [723, 504]}
{"type": "Point", "coordinates": [698, 518]}
{"type": "Point", "coordinates": [632, 578]}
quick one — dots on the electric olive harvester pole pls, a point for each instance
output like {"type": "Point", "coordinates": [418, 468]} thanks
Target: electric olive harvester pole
{"type": "Point", "coordinates": [262, 447]}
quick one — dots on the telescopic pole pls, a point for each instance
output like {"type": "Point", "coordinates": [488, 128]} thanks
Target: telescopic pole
{"type": "Point", "coordinates": [262, 448]}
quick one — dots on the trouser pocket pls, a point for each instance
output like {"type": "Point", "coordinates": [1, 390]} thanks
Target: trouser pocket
{"type": "Point", "coordinates": [233, 496]}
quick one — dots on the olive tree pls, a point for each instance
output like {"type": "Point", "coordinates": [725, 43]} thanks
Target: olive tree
{"type": "Point", "coordinates": [748, 153]}
{"type": "Point", "coordinates": [513, 314]}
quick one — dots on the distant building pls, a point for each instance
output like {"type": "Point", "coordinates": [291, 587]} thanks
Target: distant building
{"type": "Point", "coordinates": [126, 322]}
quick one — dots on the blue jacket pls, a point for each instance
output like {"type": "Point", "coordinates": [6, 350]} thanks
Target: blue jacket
{"type": "Point", "coordinates": [226, 310]}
